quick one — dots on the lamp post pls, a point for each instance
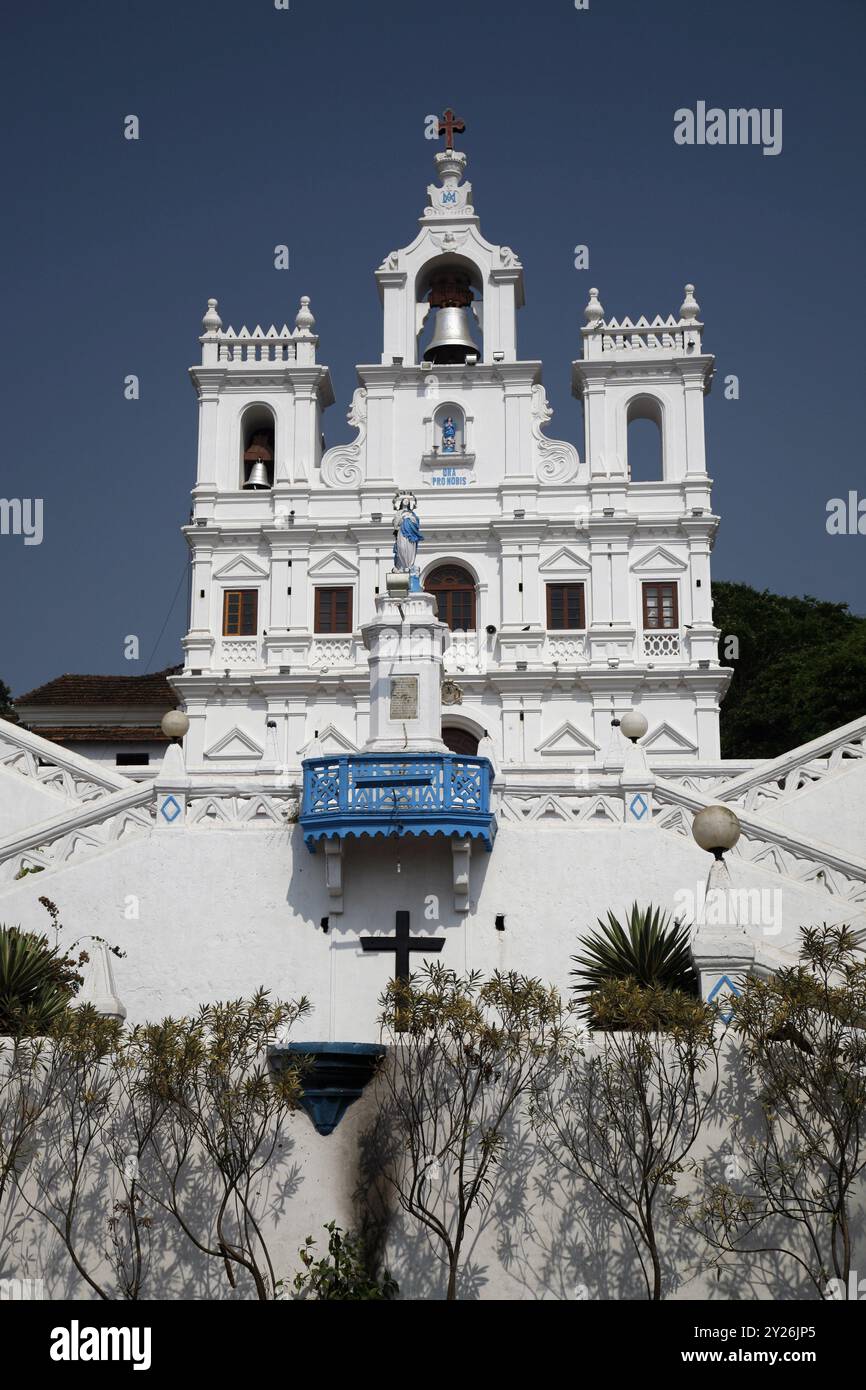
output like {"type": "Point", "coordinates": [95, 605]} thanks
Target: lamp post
{"type": "Point", "coordinates": [175, 725]}
{"type": "Point", "coordinates": [636, 780]}
{"type": "Point", "coordinates": [716, 829]}
{"type": "Point", "coordinates": [633, 725]}
{"type": "Point", "coordinates": [721, 950]}
{"type": "Point", "coordinates": [171, 781]}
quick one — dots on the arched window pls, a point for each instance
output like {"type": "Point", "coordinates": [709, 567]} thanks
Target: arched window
{"type": "Point", "coordinates": [454, 588]}
{"type": "Point", "coordinates": [644, 440]}
{"type": "Point", "coordinates": [257, 448]}
{"type": "Point", "coordinates": [459, 740]}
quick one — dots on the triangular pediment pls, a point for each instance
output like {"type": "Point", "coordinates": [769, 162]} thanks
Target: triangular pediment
{"type": "Point", "coordinates": [330, 740]}
{"type": "Point", "coordinates": [235, 745]}
{"type": "Point", "coordinates": [567, 741]}
{"type": "Point", "coordinates": [657, 561]}
{"type": "Point", "coordinates": [665, 739]}
{"type": "Point", "coordinates": [564, 561]}
{"type": "Point", "coordinates": [241, 567]}
{"type": "Point", "coordinates": [333, 565]}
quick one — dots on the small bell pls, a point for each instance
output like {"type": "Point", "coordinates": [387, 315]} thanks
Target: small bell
{"type": "Point", "coordinates": [256, 459]}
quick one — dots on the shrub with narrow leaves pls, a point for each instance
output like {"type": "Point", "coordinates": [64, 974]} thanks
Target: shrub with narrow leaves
{"type": "Point", "coordinates": [37, 983]}
{"type": "Point", "coordinates": [651, 949]}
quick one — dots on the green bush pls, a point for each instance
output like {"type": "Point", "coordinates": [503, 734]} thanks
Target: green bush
{"type": "Point", "coordinates": [36, 983]}
{"type": "Point", "coordinates": [651, 950]}
{"type": "Point", "coordinates": [343, 1273]}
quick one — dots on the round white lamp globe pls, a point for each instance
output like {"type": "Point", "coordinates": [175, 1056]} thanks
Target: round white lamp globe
{"type": "Point", "coordinates": [716, 829]}
{"type": "Point", "coordinates": [174, 723]}
{"type": "Point", "coordinates": [634, 724]}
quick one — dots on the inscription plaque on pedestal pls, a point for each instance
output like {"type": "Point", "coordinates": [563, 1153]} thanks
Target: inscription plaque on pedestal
{"type": "Point", "coordinates": [404, 697]}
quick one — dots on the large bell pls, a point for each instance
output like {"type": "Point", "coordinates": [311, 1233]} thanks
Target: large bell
{"type": "Point", "coordinates": [452, 339]}
{"type": "Point", "coordinates": [258, 475]}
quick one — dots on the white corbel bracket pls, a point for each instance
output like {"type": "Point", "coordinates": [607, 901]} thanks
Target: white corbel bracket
{"type": "Point", "coordinates": [461, 859]}
{"type": "Point", "coordinates": [334, 874]}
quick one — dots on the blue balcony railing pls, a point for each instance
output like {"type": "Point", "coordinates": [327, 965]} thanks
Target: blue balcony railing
{"type": "Point", "coordinates": [397, 794]}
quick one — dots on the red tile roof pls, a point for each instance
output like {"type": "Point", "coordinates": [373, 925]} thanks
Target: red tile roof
{"type": "Point", "coordinates": [152, 689]}
{"type": "Point", "coordinates": [98, 733]}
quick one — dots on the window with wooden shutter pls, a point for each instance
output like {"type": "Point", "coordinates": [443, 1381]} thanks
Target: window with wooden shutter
{"type": "Point", "coordinates": [240, 613]}
{"type": "Point", "coordinates": [454, 588]}
{"type": "Point", "coordinates": [660, 606]}
{"type": "Point", "coordinates": [566, 607]}
{"type": "Point", "coordinates": [334, 610]}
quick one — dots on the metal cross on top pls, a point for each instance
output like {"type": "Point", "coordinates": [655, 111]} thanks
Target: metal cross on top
{"type": "Point", "coordinates": [449, 126]}
{"type": "Point", "coordinates": [401, 943]}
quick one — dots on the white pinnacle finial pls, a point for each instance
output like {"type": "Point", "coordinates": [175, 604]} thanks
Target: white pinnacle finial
{"type": "Point", "coordinates": [690, 308]}
{"type": "Point", "coordinates": [303, 318]}
{"type": "Point", "coordinates": [212, 323]}
{"type": "Point", "coordinates": [594, 311]}
{"type": "Point", "coordinates": [99, 989]}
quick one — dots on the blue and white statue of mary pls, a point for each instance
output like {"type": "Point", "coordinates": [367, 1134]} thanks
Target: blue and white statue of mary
{"type": "Point", "coordinates": [407, 536]}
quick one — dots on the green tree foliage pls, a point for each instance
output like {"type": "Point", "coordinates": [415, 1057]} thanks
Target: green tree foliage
{"type": "Point", "coordinates": [6, 710]}
{"type": "Point", "coordinates": [802, 1033]}
{"type": "Point", "coordinates": [800, 670]}
{"type": "Point", "coordinates": [626, 1109]}
{"type": "Point", "coordinates": [465, 1052]}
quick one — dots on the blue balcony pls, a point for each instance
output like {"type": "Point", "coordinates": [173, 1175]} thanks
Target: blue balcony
{"type": "Point", "coordinates": [397, 794]}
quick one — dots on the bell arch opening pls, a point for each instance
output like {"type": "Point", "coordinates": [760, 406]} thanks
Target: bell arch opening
{"type": "Point", "coordinates": [451, 292]}
{"type": "Point", "coordinates": [645, 440]}
{"type": "Point", "coordinates": [258, 448]}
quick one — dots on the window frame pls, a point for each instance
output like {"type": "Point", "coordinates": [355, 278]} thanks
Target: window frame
{"type": "Point", "coordinates": [578, 584]}
{"type": "Point", "coordinates": [674, 587]}
{"type": "Point", "coordinates": [132, 760]}
{"type": "Point", "coordinates": [471, 589]}
{"type": "Point", "coordinates": [333, 589]}
{"type": "Point", "coordinates": [227, 594]}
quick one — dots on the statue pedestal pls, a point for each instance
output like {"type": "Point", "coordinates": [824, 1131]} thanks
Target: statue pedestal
{"type": "Point", "coordinates": [405, 642]}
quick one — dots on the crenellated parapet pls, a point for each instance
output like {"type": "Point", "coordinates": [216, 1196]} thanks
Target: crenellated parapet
{"type": "Point", "coordinates": [272, 345]}
{"type": "Point", "coordinates": [668, 336]}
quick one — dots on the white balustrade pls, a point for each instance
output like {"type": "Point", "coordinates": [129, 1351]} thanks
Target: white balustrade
{"type": "Point", "coordinates": [664, 642]}
{"type": "Point", "coordinates": [332, 651]}
{"type": "Point", "coordinates": [565, 650]}
{"type": "Point", "coordinates": [240, 652]}
{"type": "Point", "coordinates": [466, 651]}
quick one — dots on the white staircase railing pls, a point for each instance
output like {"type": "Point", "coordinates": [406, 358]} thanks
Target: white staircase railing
{"type": "Point", "coordinates": [66, 774]}
{"type": "Point", "coordinates": [92, 825]}
{"type": "Point", "coordinates": [782, 777]}
{"type": "Point", "coordinates": [771, 846]}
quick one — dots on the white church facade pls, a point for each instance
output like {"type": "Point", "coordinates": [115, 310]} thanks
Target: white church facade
{"type": "Point", "coordinates": [571, 593]}
{"type": "Point", "coordinates": [432, 726]}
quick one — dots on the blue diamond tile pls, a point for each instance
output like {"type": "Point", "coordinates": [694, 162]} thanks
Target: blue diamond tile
{"type": "Point", "coordinates": [724, 983]}
{"type": "Point", "coordinates": [170, 809]}
{"type": "Point", "coordinates": [638, 806]}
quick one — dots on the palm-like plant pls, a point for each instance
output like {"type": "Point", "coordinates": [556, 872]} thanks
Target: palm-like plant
{"type": "Point", "coordinates": [651, 949]}
{"type": "Point", "coordinates": [36, 983]}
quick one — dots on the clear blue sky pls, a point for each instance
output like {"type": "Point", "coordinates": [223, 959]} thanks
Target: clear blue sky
{"type": "Point", "coordinates": [305, 127]}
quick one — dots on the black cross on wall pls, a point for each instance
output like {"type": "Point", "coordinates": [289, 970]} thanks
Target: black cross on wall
{"type": "Point", "coordinates": [402, 944]}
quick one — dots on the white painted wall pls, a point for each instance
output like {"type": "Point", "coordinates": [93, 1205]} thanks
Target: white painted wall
{"type": "Point", "coordinates": [832, 809]}
{"type": "Point", "coordinates": [222, 912]}
{"type": "Point", "coordinates": [24, 802]}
